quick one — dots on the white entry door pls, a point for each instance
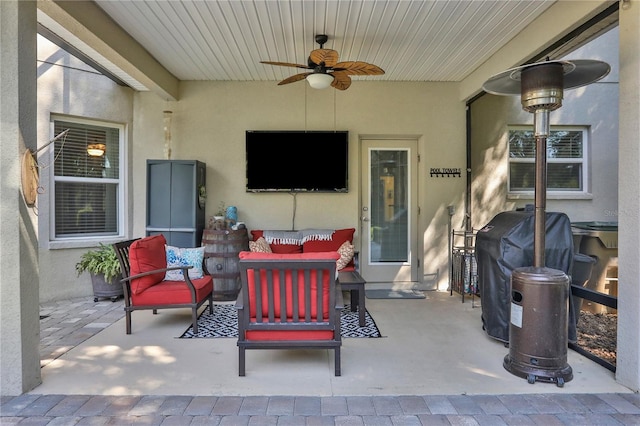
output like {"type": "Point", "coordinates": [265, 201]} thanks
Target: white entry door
{"type": "Point", "coordinates": [388, 219]}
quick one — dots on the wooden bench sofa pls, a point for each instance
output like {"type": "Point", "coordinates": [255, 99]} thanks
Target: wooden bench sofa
{"type": "Point", "coordinates": [289, 301]}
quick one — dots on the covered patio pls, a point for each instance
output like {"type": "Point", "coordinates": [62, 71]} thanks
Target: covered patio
{"type": "Point", "coordinates": [431, 346]}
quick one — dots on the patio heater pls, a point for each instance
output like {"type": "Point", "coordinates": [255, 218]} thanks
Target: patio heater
{"type": "Point", "coordinates": [539, 295]}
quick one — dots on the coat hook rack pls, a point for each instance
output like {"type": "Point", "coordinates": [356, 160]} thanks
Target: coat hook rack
{"type": "Point", "coordinates": [445, 172]}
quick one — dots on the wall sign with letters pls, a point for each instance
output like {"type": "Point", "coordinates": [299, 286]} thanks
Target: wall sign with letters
{"type": "Point", "coordinates": [446, 172]}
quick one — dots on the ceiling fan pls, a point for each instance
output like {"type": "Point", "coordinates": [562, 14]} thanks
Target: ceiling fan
{"type": "Point", "coordinates": [327, 71]}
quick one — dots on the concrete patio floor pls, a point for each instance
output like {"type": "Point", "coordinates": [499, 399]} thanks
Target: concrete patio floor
{"type": "Point", "coordinates": [432, 349]}
{"type": "Point", "coordinates": [429, 346]}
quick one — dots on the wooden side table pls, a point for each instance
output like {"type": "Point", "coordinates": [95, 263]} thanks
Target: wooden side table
{"type": "Point", "coordinates": [354, 283]}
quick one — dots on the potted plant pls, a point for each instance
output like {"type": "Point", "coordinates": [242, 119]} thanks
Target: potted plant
{"type": "Point", "coordinates": [222, 209]}
{"type": "Point", "coordinates": [104, 268]}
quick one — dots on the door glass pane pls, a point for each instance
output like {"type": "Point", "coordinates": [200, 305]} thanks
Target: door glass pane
{"type": "Point", "coordinates": [389, 206]}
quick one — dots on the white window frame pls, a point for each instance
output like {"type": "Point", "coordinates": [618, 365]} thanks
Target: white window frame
{"type": "Point", "coordinates": [583, 193]}
{"type": "Point", "coordinates": [89, 240]}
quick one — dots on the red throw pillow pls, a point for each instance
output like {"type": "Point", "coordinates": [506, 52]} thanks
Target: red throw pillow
{"type": "Point", "coordinates": [147, 254]}
{"type": "Point", "coordinates": [256, 233]}
{"type": "Point", "coordinates": [338, 237]}
{"type": "Point", "coordinates": [277, 248]}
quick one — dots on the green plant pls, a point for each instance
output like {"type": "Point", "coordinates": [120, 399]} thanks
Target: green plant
{"type": "Point", "coordinates": [102, 260]}
{"type": "Point", "coordinates": [222, 209]}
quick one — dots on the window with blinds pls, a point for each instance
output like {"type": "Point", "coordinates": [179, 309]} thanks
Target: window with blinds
{"type": "Point", "coordinates": [87, 179]}
{"type": "Point", "coordinates": [566, 160]}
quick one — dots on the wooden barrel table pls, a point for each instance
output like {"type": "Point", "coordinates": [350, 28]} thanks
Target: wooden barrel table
{"type": "Point", "coordinates": [221, 260]}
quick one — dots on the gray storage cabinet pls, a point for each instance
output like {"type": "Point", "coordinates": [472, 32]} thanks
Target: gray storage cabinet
{"type": "Point", "coordinates": [173, 207]}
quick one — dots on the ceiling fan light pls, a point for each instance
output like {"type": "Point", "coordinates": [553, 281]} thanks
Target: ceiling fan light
{"type": "Point", "coordinates": [320, 80]}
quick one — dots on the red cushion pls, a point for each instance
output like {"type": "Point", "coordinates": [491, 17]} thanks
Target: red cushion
{"type": "Point", "coordinates": [288, 279]}
{"type": "Point", "coordinates": [286, 248]}
{"type": "Point", "coordinates": [147, 254]}
{"type": "Point", "coordinates": [288, 335]}
{"type": "Point", "coordinates": [174, 292]}
{"type": "Point", "coordinates": [291, 256]}
{"type": "Point", "coordinates": [275, 247]}
{"type": "Point", "coordinates": [257, 233]}
{"type": "Point", "coordinates": [337, 239]}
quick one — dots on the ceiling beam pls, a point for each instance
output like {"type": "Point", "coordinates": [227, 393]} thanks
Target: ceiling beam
{"type": "Point", "coordinates": [64, 45]}
{"type": "Point", "coordinates": [91, 31]}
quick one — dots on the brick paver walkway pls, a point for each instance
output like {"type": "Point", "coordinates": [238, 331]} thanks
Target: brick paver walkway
{"type": "Point", "coordinates": [67, 323]}
{"type": "Point", "coordinates": [467, 410]}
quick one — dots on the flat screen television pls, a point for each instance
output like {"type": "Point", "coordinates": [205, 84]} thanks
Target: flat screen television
{"type": "Point", "coordinates": [297, 161]}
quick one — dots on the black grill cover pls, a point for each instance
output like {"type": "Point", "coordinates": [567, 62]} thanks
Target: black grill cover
{"type": "Point", "coordinates": [505, 244]}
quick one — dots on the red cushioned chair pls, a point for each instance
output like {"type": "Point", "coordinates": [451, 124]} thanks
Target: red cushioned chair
{"type": "Point", "coordinates": [289, 301]}
{"type": "Point", "coordinates": [143, 262]}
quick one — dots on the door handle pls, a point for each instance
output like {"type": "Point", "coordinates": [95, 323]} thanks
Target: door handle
{"type": "Point", "coordinates": [365, 219]}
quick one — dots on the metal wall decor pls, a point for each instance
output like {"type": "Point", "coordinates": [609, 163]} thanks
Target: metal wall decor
{"type": "Point", "coordinates": [30, 172]}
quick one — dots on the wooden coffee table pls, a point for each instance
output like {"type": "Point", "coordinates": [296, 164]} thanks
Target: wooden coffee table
{"type": "Point", "coordinates": [354, 283]}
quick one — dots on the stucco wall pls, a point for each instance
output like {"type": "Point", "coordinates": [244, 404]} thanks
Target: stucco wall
{"type": "Point", "coordinates": [68, 86]}
{"type": "Point", "coordinates": [209, 124]}
{"type": "Point", "coordinates": [595, 105]}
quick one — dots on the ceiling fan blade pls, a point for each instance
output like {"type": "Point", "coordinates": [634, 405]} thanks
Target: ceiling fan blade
{"type": "Point", "coordinates": [358, 68]}
{"type": "Point", "coordinates": [341, 80]}
{"type": "Point", "coordinates": [286, 64]}
{"type": "Point", "coordinates": [327, 56]}
{"type": "Point", "coordinates": [294, 78]}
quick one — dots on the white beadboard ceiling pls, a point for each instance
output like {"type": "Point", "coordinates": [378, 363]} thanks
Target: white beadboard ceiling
{"type": "Point", "coordinates": [431, 40]}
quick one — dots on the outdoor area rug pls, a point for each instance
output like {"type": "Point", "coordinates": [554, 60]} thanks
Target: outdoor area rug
{"type": "Point", "coordinates": [224, 323]}
{"type": "Point", "coordinates": [394, 294]}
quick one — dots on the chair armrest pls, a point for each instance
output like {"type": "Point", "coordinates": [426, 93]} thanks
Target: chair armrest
{"type": "Point", "coordinates": [339, 296]}
{"type": "Point", "coordinates": [239, 301]}
{"type": "Point", "coordinates": [205, 270]}
{"type": "Point", "coordinates": [155, 271]}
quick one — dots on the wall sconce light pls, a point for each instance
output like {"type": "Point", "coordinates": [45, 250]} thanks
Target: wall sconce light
{"type": "Point", "coordinates": [320, 80]}
{"type": "Point", "coordinates": [96, 149]}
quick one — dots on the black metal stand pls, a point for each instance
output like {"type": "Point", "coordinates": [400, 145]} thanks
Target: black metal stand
{"type": "Point", "coordinates": [464, 269]}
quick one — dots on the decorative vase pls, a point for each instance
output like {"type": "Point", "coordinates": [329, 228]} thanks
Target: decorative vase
{"type": "Point", "coordinates": [232, 214]}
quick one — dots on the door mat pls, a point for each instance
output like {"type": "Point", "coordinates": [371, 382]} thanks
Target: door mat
{"type": "Point", "coordinates": [395, 294]}
{"type": "Point", "coordinates": [224, 323]}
